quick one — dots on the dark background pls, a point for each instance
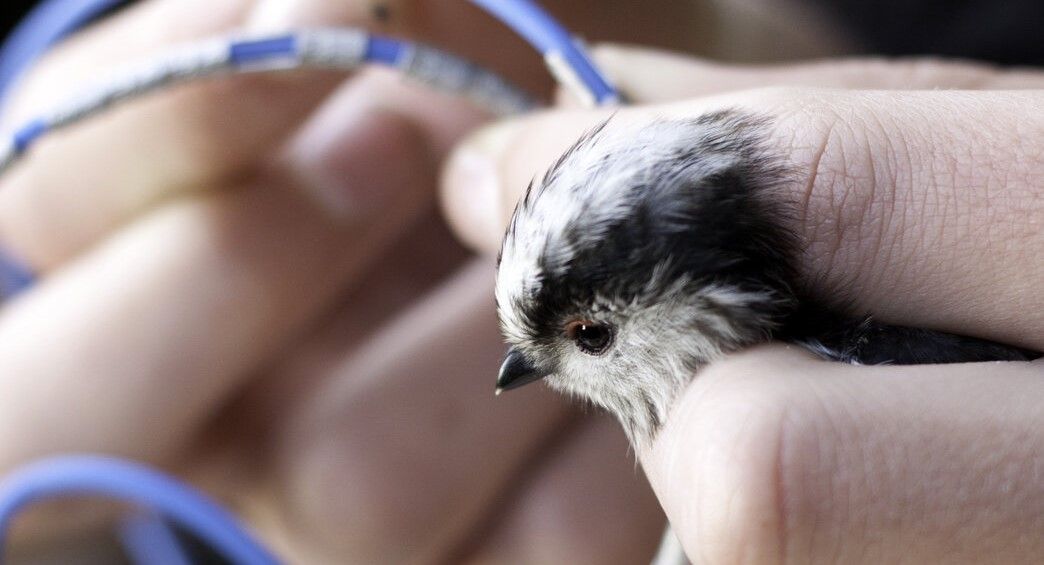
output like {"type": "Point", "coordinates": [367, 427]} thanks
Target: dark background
{"type": "Point", "coordinates": [11, 14]}
{"type": "Point", "coordinates": [1009, 32]}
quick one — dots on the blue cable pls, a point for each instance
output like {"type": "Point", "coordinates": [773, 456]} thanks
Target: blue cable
{"type": "Point", "coordinates": [14, 276]}
{"type": "Point", "coordinates": [103, 476]}
{"type": "Point", "coordinates": [148, 539]}
{"type": "Point", "coordinates": [44, 26]}
{"type": "Point", "coordinates": [243, 53]}
{"type": "Point", "coordinates": [47, 24]}
{"type": "Point", "coordinates": [384, 50]}
{"type": "Point", "coordinates": [547, 36]}
{"type": "Point", "coordinates": [343, 48]}
{"type": "Point", "coordinates": [52, 20]}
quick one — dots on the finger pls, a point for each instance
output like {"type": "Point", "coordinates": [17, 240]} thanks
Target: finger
{"type": "Point", "coordinates": [647, 75]}
{"type": "Point", "coordinates": [401, 455]}
{"type": "Point", "coordinates": [129, 35]}
{"type": "Point", "coordinates": [585, 502]}
{"type": "Point", "coordinates": [489, 171]}
{"type": "Point", "coordinates": [186, 140]}
{"type": "Point", "coordinates": [900, 205]}
{"type": "Point", "coordinates": [420, 259]}
{"type": "Point", "coordinates": [458, 27]}
{"type": "Point", "coordinates": [772, 456]}
{"type": "Point", "coordinates": [218, 283]}
{"type": "Point", "coordinates": [125, 160]}
{"type": "Point", "coordinates": [465, 29]}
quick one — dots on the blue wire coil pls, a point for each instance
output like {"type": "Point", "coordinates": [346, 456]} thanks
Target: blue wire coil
{"type": "Point", "coordinates": [335, 48]}
{"type": "Point", "coordinates": [103, 476]}
{"type": "Point", "coordinates": [332, 48]}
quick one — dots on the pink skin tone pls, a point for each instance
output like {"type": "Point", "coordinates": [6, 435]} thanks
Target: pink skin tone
{"type": "Point", "coordinates": [251, 283]}
{"type": "Point", "coordinates": [922, 207]}
{"type": "Point", "coordinates": [247, 282]}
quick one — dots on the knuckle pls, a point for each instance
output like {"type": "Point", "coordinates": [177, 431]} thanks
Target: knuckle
{"type": "Point", "coordinates": [848, 161]}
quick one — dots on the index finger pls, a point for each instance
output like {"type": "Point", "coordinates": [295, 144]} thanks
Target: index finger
{"type": "Point", "coordinates": [921, 208]}
{"type": "Point", "coordinates": [190, 138]}
{"type": "Point", "coordinates": [120, 163]}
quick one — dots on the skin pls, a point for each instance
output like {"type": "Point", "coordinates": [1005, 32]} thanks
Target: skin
{"type": "Point", "coordinates": [919, 207]}
{"type": "Point", "coordinates": [176, 238]}
{"type": "Point", "coordinates": [249, 281]}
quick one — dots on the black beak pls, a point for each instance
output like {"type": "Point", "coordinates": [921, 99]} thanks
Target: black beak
{"type": "Point", "coordinates": [517, 371]}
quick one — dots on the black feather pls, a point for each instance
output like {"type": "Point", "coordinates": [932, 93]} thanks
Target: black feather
{"type": "Point", "coordinates": [725, 228]}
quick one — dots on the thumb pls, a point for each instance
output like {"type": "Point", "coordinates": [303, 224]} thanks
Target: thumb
{"type": "Point", "coordinates": [771, 456]}
{"type": "Point", "coordinates": [647, 75]}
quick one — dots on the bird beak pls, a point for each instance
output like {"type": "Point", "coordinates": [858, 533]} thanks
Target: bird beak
{"type": "Point", "coordinates": [516, 371]}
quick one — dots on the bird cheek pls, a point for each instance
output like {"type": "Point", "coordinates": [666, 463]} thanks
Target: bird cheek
{"type": "Point", "coordinates": [570, 383]}
{"type": "Point", "coordinates": [556, 382]}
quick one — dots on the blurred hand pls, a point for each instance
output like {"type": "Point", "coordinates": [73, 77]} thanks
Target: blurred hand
{"type": "Point", "coordinates": [921, 207]}
{"type": "Point", "coordinates": [246, 281]}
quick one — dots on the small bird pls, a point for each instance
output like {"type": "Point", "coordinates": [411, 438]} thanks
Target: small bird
{"type": "Point", "coordinates": [645, 252]}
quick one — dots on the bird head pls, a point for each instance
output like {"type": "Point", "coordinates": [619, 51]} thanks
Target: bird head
{"type": "Point", "coordinates": [644, 252]}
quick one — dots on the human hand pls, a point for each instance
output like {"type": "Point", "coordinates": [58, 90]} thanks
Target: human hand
{"type": "Point", "coordinates": [245, 282]}
{"type": "Point", "coordinates": [921, 208]}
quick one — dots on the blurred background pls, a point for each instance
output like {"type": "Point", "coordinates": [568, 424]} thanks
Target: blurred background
{"type": "Point", "coordinates": [1007, 33]}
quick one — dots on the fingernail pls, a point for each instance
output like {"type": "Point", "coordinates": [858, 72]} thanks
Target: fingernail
{"type": "Point", "coordinates": [472, 185]}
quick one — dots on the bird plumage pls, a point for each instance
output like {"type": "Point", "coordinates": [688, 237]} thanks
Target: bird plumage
{"type": "Point", "coordinates": [666, 244]}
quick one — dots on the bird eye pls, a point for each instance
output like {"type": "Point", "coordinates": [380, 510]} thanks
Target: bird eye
{"type": "Point", "coordinates": [592, 338]}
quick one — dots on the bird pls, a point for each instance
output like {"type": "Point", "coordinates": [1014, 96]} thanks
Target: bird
{"type": "Point", "coordinates": [647, 251]}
